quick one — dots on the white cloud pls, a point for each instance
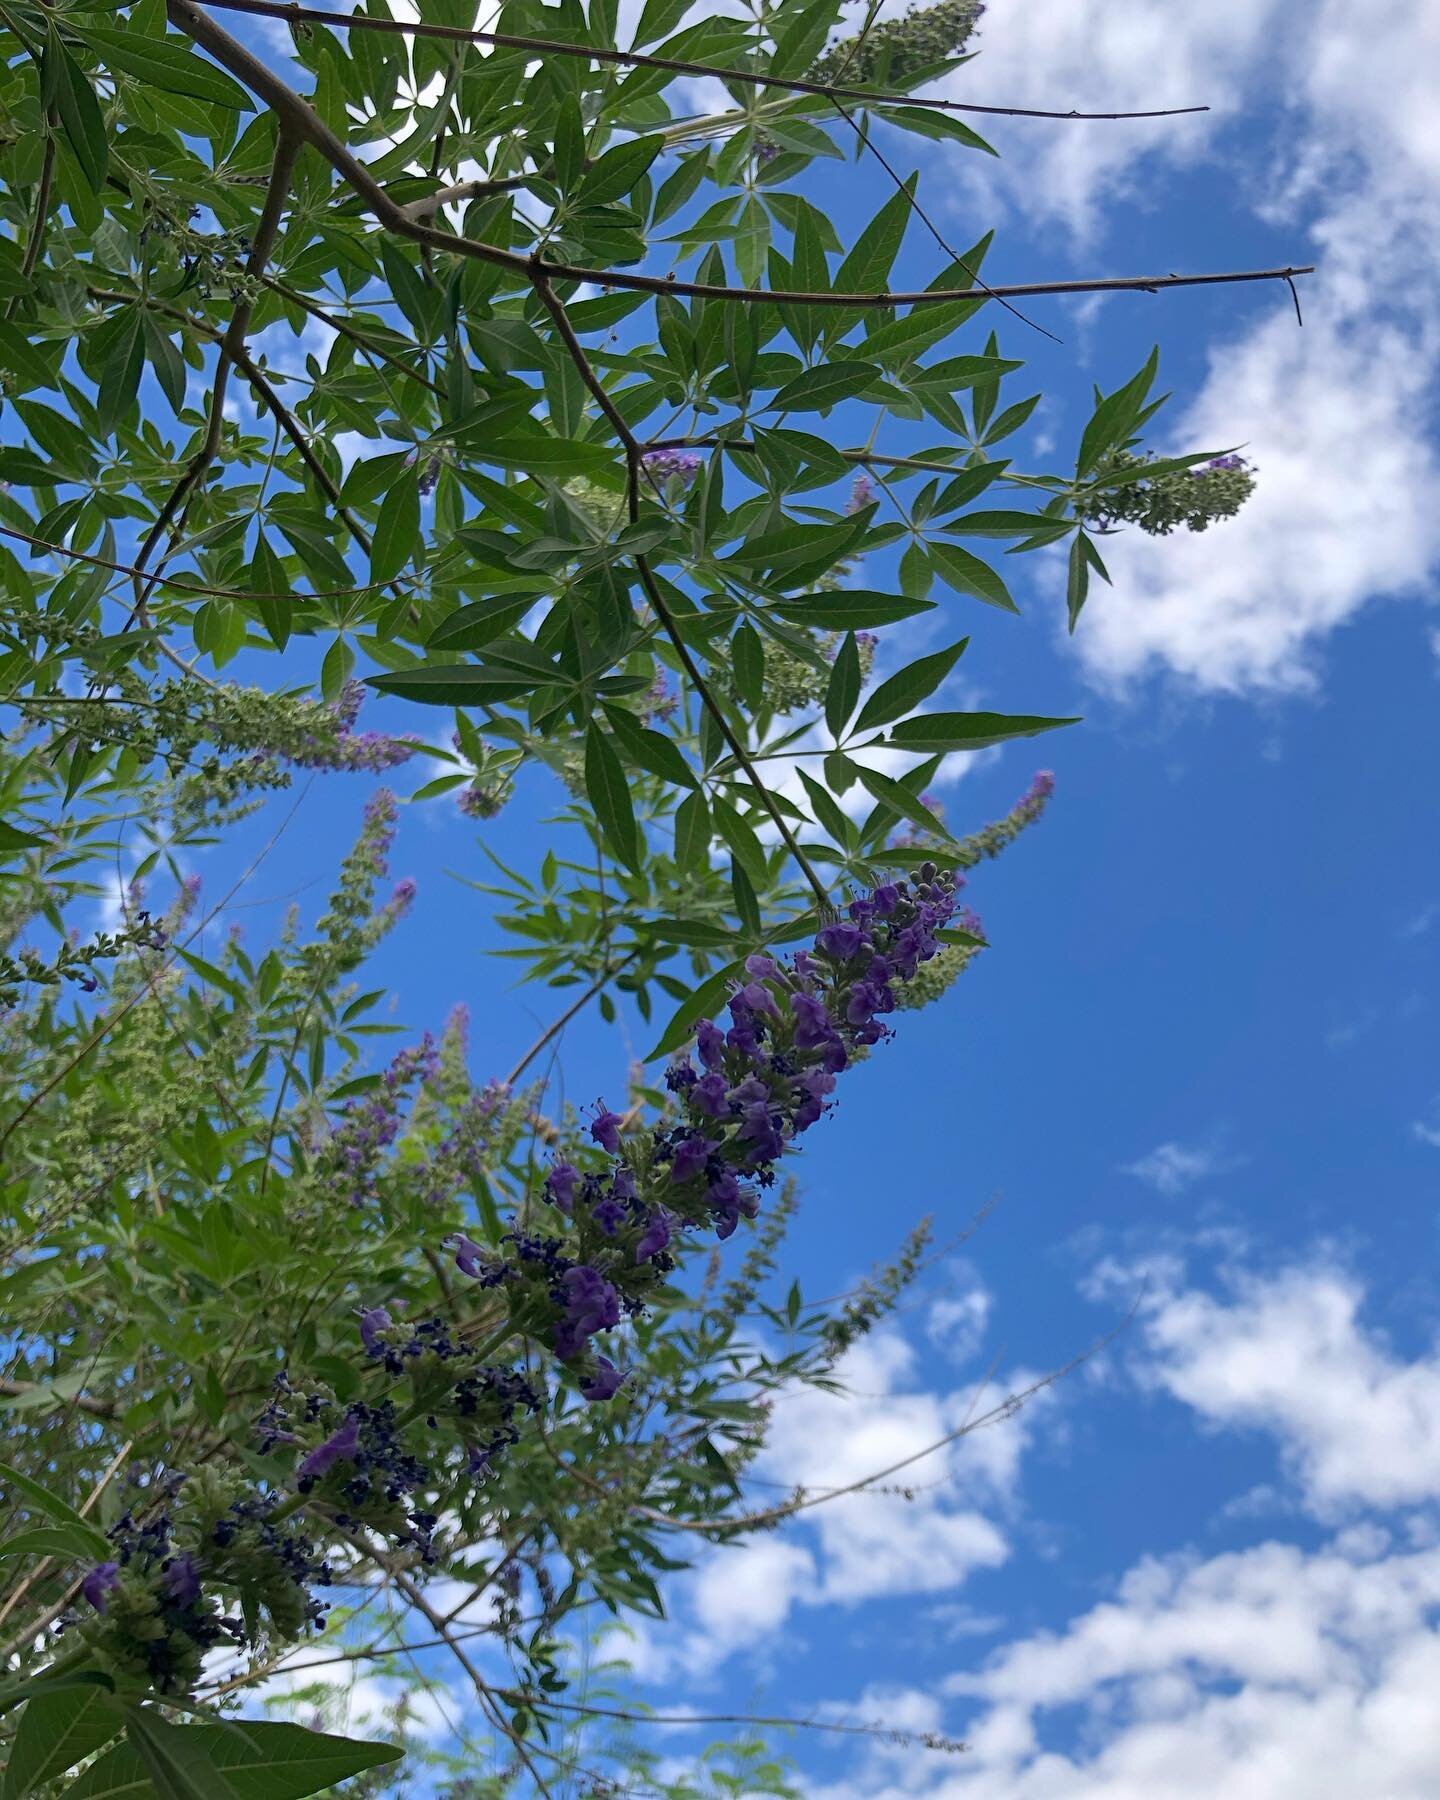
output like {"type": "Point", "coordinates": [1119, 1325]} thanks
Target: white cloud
{"type": "Point", "coordinates": [1268, 1674]}
{"type": "Point", "coordinates": [1171, 1168]}
{"type": "Point", "coordinates": [923, 1530]}
{"type": "Point", "coordinates": [1337, 416]}
{"type": "Point", "coordinates": [1289, 1355]}
{"type": "Point", "coordinates": [1428, 1131]}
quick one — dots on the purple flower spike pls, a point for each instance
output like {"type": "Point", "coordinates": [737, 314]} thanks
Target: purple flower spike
{"type": "Point", "coordinates": [374, 1320]}
{"type": "Point", "coordinates": [606, 1129]}
{"type": "Point", "coordinates": [605, 1383]}
{"type": "Point", "coordinates": [97, 1584]}
{"type": "Point", "coordinates": [340, 1446]}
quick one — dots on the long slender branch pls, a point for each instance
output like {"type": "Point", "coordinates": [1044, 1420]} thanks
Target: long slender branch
{"type": "Point", "coordinates": [553, 1030]}
{"type": "Point", "coordinates": [637, 59]}
{"type": "Point", "coordinates": [42, 207]}
{"type": "Point", "coordinates": [294, 113]}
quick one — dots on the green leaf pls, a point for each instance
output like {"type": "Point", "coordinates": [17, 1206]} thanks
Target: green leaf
{"type": "Point", "coordinates": [13, 1693]}
{"type": "Point", "coordinates": [968, 731]}
{"type": "Point", "coordinates": [851, 609]}
{"type": "Point", "coordinates": [12, 838]}
{"type": "Point", "coordinates": [56, 1731]}
{"type": "Point", "coordinates": [843, 689]}
{"type": "Point", "coordinates": [651, 750]}
{"type": "Point", "coordinates": [1005, 524]}
{"type": "Point", "coordinates": [176, 1757]}
{"type": "Point", "coordinates": [968, 575]}
{"type": "Point", "coordinates": [909, 686]}
{"type": "Point", "coordinates": [693, 832]}
{"type": "Point", "coordinates": [748, 652]}
{"type": "Point", "coordinates": [739, 834]}
{"type": "Point", "coordinates": [65, 84]}
{"type": "Point", "coordinates": [460, 684]}
{"type": "Point", "coordinates": [616, 172]}
{"type": "Point", "coordinates": [609, 795]}
{"type": "Point", "coordinates": [40, 1499]}
{"type": "Point", "coordinates": [1115, 417]}
{"type": "Point", "coordinates": [540, 455]}
{"type": "Point", "coordinates": [166, 63]}
{"type": "Point", "coordinates": [272, 601]}
{"type": "Point", "coordinates": [899, 799]}
{"type": "Point", "coordinates": [474, 626]}
{"type": "Point", "coordinates": [20, 357]}
{"type": "Point", "coordinates": [66, 1541]}
{"type": "Point", "coordinates": [816, 390]}
{"type": "Point", "coordinates": [397, 530]}
{"type": "Point", "coordinates": [120, 378]}
{"type": "Point", "coordinates": [827, 812]}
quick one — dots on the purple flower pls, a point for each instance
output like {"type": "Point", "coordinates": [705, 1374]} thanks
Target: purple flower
{"type": "Point", "coordinates": [754, 997]}
{"type": "Point", "coordinates": [690, 1156]}
{"type": "Point", "coordinates": [97, 1584]}
{"type": "Point", "coordinates": [469, 1256]}
{"type": "Point", "coordinates": [662, 464]}
{"type": "Point", "coordinates": [591, 1305]}
{"type": "Point", "coordinates": [711, 1096]}
{"type": "Point", "coordinates": [709, 1044]}
{"type": "Point", "coordinates": [840, 941]}
{"type": "Point", "coordinates": [609, 1214]}
{"type": "Point", "coordinates": [606, 1129]}
{"type": "Point", "coordinates": [655, 1237]}
{"type": "Point", "coordinates": [181, 1581]}
{"type": "Point", "coordinates": [605, 1383]}
{"type": "Point", "coordinates": [861, 494]}
{"type": "Point", "coordinates": [561, 1183]}
{"type": "Point", "coordinates": [763, 968]}
{"type": "Point", "coordinates": [812, 1023]}
{"type": "Point", "coordinates": [340, 1446]}
{"type": "Point", "coordinates": [374, 1320]}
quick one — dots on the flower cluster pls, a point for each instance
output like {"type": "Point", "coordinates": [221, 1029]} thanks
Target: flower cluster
{"type": "Point", "coordinates": [370, 1124]}
{"type": "Point", "coordinates": [1194, 498]}
{"type": "Point", "coordinates": [153, 1612]}
{"type": "Point", "coordinates": [342, 747]}
{"type": "Point", "coordinates": [661, 465]}
{"type": "Point", "coordinates": [895, 50]}
{"type": "Point", "coordinates": [745, 1094]}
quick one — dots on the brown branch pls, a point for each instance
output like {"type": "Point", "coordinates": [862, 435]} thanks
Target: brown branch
{"type": "Point", "coordinates": [295, 114]}
{"type": "Point", "coordinates": [554, 1029]}
{"type": "Point", "coordinates": [307, 15]}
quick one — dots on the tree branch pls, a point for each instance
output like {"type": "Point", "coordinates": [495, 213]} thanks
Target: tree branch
{"type": "Point", "coordinates": [293, 111]}
{"type": "Point", "coordinates": [636, 59]}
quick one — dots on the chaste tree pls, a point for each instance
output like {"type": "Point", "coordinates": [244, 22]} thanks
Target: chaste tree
{"type": "Point", "coordinates": [505, 364]}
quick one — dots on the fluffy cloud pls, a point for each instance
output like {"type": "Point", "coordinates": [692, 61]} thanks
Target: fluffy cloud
{"type": "Point", "coordinates": [923, 1530]}
{"type": "Point", "coordinates": [1290, 1355]}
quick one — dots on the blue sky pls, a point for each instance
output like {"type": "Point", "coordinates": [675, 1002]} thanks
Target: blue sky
{"type": "Point", "coordinates": [1198, 1069]}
